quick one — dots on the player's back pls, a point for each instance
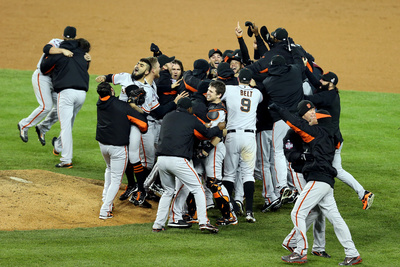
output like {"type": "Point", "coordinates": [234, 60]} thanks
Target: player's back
{"type": "Point", "coordinates": [241, 103]}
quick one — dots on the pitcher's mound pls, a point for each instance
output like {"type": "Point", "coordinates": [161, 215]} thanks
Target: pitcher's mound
{"type": "Point", "coordinates": [37, 199]}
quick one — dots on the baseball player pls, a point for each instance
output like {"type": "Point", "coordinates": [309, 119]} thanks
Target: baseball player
{"type": "Point", "coordinates": [215, 57]}
{"type": "Point", "coordinates": [174, 151]}
{"type": "Point", "coordinates": [327, 97]}
{"type": "Point", "coordinates": [212, 153]}
{"type": "Point", "coordinates": [297, 153]}
{"type": "Point", "coordinates": [284, 86]}
{"type": "Point", "coordinates": [241, 102]}
{"type": "Point", "coordinates": [141, 149]}
{"type": "Point", "coordinates": [44, 92]}
{"type": "Point", "coordinates": [71, 81]}
{"type": "Point", "coordinates": [319, 175]}
{"type": "Point", "coordinates": [114, 119]}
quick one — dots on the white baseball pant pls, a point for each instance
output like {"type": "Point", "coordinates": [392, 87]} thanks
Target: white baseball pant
{"type": "Point", "coordinates": [169, 168]}
{"type": "Point", "coordinates": [116, 158]}
{"type": "Point", "coordinates": [321, 194]}
{"type": "Point", "coordinates": [70, 101]}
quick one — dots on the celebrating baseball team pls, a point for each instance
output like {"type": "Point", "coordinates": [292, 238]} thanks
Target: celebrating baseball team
{"type": "Point", "coordinates": [198, 139]}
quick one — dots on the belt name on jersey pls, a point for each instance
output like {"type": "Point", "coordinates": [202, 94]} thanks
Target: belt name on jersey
{"type": "Point", "coordinates": [247, 93]}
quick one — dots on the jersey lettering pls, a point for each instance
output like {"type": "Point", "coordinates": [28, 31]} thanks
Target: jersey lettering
{"type": "Point", "coordinates": [247, 93]}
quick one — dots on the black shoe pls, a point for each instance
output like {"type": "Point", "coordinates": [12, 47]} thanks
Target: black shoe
{"type": "Point", "coordinates": [179, 224]}
{"type": "Point", "coordinates": [129, 190]}
{"type": "Point", "coordinates": [250, 217]}
{"type": "Point", "coordinates": [157, 230]}
{"type": "Point", "coordinates": [321, 254]}
{"type": "Point", "coordinates": [285, 194]}
{"type": "Point", "coordinates": [64, 165]}
{"type": "Point", "coordinates": [351, 261]}
{"type": "Point", "coordinates": [294, 258]}
{"type": "Point", "coordinates": [239, 208]}
{"type": "Point", "coordinates": [139, 199]}
{"type": "Point", "coordinates": [23, 134]}
{"type": "Point", "coordinates": [293, 197]}
{"type": "Point", "coordinates": [55, 152]}
{"type": "Point", "coordinates": [40, 136]}
{"type": "Point", "coordinates": [156, 189]}
{"type": "Point", "coordinates": [189, 219]}
{"type": "Point", "coordinates": [272, 206]}
{"type": "Point", "coordinates": [223, 222]}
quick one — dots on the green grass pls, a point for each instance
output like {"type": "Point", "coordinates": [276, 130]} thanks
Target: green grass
{"type": "Point", "coordinates": [370, 125]}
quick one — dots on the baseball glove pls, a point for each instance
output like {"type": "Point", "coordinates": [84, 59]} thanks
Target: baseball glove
{"type": "Point", "coordinates": [135, 94]}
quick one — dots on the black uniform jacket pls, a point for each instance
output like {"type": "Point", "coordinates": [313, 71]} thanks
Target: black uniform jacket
{"type": "Point", "coordinates": [284, 85]}
{"type": "Point", "coordinates": [114, 120]}
{"type": "Point", "coordinates": [321, 143]}
{"type": "Point", "coordinates": [178, 131]}
{"type": "Point", "coordinates": [330, 101]}
{"type": "Point", "coordinates": [67, 72]}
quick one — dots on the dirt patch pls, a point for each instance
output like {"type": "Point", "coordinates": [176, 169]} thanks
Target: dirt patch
{"type": "Point", "coordinates": [37, 199]}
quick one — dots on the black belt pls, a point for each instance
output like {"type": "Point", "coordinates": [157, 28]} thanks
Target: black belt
{"type": "Point", "coordinates": [246, 131]}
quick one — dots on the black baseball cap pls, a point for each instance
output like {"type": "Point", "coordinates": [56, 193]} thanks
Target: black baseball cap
{"type": "Point", "coordinates": [185, 103]}
{"type": "Point", "coordinates": [330, 77]}
{"type": "Point", "coordinates": [70, 32]}
{"type": "Point", "coordinates": [213, 51]}
{"type": "Point", "coordinates": [163, 59]}
{"type": "Point", "coordinates": [278, 60]}
{"type": "Point", "coordinates": [200, 66]}
{"type": "Point", "coordinates": [304, 106]}
{"type": "Point", "coordinates": [245, 75]}
{"type": "Point", "coordinates": [280, 34]}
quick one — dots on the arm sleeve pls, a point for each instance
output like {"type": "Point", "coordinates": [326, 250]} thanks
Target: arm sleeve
{"type": "Point", "coordinates": [161, 110]}
{"type": "Point", "coordinates": [262, 48]}
{"type": "Point", "coordinates": [48, 64]}
{"type": "Point", "coordinates": [300, 126]}
{"type": "Point", "coordinates": [46, 49]}
{"type": "Point", "coordinates": [324, 98]}
{"type": "Point", "coordinates": [244, 50]}
{"type": "Point", "coordinates": [137, 119]}
{"type": "Point", "coordinates": [204, 133]}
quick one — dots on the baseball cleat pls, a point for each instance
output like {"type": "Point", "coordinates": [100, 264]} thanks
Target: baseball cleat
{"type": "Point", "coordinates": [223, 222]}
{"type": "Point", "coordinates": [272, 206]}
{"type": "Point", "coordinates": [23, 134]}
{"type": "Point", "coordinates": [294, 258]}
{"type": "Point", "coordinates": [139, 199]}
{"type": "Point", "coordinates": [55, 152]}
{"type": "Point", "coordinates": [64, 165]}
{"type": "Point", "coordinates": [321, 254]}
{"type": "Point", "coordinates": [351, 260]}
{"type": "Point", "coordinates": [293, 197]}
{"type": "Point", "coordinates": [209, 227]}
{"type": "Point", "coordinates": [291, 249]}
{"type": "Point", "coordinates": [179, 224]}
{"type": "Point", "coordinates": [105, 217]}
{"type": "Point", "coordinates": [157, 230]}
{"type": "Point", "coordinates": [367, 200]}
{"type": "Point", "coordinates": [239, 210]}
{"type": "Point", "coordinates": [285, 194]}
{"type": "Point", "coordinates": [250, 217]}
{"type": "Point", "coordinates": [189, 219]}
{"type": "Point", "coordinates": [129, 190]}
{"type": "Point", "coordinates": [40, 136]}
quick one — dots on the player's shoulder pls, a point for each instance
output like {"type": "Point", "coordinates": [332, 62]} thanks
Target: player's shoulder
{"type": "Point", "coordinates": [55, 42]}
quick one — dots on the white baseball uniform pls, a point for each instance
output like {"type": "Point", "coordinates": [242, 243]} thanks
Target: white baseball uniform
{"type": "Point", "coordinates": [241, 103]}
{"type": "Point", "coordinates": [46, 97]}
